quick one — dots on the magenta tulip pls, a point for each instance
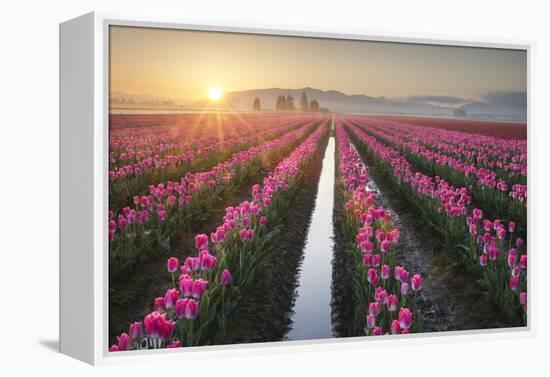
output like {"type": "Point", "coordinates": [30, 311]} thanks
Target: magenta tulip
{"type": "Point", "coordinates": [225, 278]}
{"type": "Point", "coordinates": [514, 283]}
{"type": "Point", "coordinates": [199, 287]}
{"type": "Point", "coordinates": [170, 298]}
{"type": "Point", "coordinates": [385, 271]}
{"type": "Point", "coordinates": [201, 241]}
{"type": "Point", "coordinates": [135, 330]}
{"type": "Point", "coordinates": [416, 282]}
{"type": "Point", "coordinates": [371, 320]}
{"type": "Point", "coordinates": [124, 342]}
{"type": "Point", "coordinates": [405, 318]}
{"type": "Point", "coordinates": [173, 264]}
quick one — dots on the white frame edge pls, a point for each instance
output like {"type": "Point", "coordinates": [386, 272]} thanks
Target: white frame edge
{"type": "Point", "coordinates": [84, 53]}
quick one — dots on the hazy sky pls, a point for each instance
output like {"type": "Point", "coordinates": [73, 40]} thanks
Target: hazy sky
{"type": "Point", "coordinates": [184, 64]}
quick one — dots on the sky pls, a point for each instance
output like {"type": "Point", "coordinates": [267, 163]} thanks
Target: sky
{"type": "Point", "coordinates": [186, 64]}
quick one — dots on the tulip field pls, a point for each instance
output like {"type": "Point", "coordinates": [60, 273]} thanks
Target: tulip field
{"type": "Point", "coordinates": [209, 214]}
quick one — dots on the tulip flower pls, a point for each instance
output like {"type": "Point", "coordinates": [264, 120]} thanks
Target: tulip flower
{"type": "Point", "coordinates": [191, 309]}
{"type": "Point", "coordinates": [263, 220]}
{"type": "Point", "coordinates": [483, 260]}
{"type": "Point", "coordinates": [207, 261]}
{"type": "Point", "coordinates": [377, 331]}
{"type": "Point", "coordinates": [395, 327]}
{"type": "Point", "coordinates": [154, 324]}
{"type": "Point", "coordinates": [168, 330]}
{"type": "Point", "coordinates": [384, 246]}
{"type": "Point", "coordinates": [514, 283]}
{"type": "Point", "coordinates": [372, 276]}
{"type": "Point", "coordinates": [523, 261]}
{"type": "Point", "coordinates": [511, 227]}
{"type": "Point", "coordinates": [159, 303]}
{"type": "Point", "coordinates": [225, 278]}
{"type": "Point", "coordinates": [199, 287]}
{"type": "Point", "coordinates": [367, 260]}
{"type": "Point", "coordinates": [381, 295]}
{"type": "Point", "coordinates": [523, 298]}
{"type": "Point", "coordinates": [201, 241]}
{"type": "Point", "coordinates": [376, 260]}
{"type": "Point", "coordinates": [404, 289]}
{"type": "Point", "coordinates": [405, 318]}
{"type": "Point", "coordinates": [371, 320]}
{"type": "Point", "coordinates": [135, 330]}
{"type": "Point", "coordinates": [385, 272]}
{"type": "Point", "coordinates": [392, 302]}
{"type": "Point", "coordinates": [170, 298]}
{"type": "Point", "coordinates": [124, 342]}
{"type": "Point", "coordinates": [374, 308]}
{"type": "Point", "coordinates": [172, 264]}
{"type": "Point", "coordinates": [416, 282]}
{"type": "Point", "coordinates": [181, 305]}
{"type": "Point", "coordinates": [174, 344]}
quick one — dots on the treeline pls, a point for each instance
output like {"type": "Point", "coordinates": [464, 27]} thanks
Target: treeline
{"type": "Point", "coordinates": [286, 103]}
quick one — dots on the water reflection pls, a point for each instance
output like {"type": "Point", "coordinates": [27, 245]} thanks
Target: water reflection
{"type": "Point", "coordinates": [312, 318]}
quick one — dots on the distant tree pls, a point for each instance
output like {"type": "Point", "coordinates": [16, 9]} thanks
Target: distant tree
{"type": "Point", "coordinates": [257, 106]}
{"type": "Point", "coordinates": [281, 103]}
{"type": "Point", "coordinates": [304, 104]}
{"type": "Point", "coordinates": [324, 110]}
{"type": "Point", "coordinates": [314, 105]}
{"type": "Point", "coordinates": [289, 103]}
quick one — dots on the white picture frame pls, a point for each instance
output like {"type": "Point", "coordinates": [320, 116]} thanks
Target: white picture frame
{"type": "Point", "coordinates": [84, 46]}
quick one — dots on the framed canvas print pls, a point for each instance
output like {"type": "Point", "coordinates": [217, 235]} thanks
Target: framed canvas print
{"type": "Point", "coordinates": [230, 188]}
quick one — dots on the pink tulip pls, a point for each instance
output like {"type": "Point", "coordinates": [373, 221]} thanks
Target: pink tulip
{"type": "Point", "coordinates": [514, 283]}
{"type": "Point", "coordinates": [405, 318]}
{"type": "Point", "coordinates": [199, 287]}
{"type": "Point", "coordinates": [523, 261]}
{"type": "Point", "coordinates": [263, 220]}
{"type": "Point", "coordinates": [395, 327]}
{"type": "Point", "coordinates": [384, 246]}
{"type": "Point", "coordinates": [377, 331]}
{"type": "Point", "coordinates": [135, 330]}
{"type": "Point", "coordinates": [159, 303]}
{"type": "Point", "coordinates": [392, 302]}
{"type": "Point", "coordinates": [154, 324]}
{"type": "Point", "coordinates": [376, 260]}
{"type": "Point", "coordinates": [173, 264]}
{"type": "Point", "coordinates": [404, 289]}
{"type": "Point", "coordinates": [174, 344]}
{"type": "Point", "coordinates": [385, 271]}
{"type": "Point", "coordinates": [367, 259]}
{"type": "Point", "coordinates": [511, 227]}
{"type": "Point", "coordinates": [516, 271]}
{"type": "Point", "coordinates": [170, 298]}
{"type": "Point", "coordinates": [225, 278]}
{"type": "Point", "coordinates": [381, 295]}
{"type": "Point", "coordinates": [168, 330]}
{"type": "Point", "coordinates": [372, 276]}
{"type": "Point", "coordinates": [523, 298]}
{"type": "Point", "coordinates": [124, 342]}
{"type": "Point", "coordinates": [201, 241]}
{"type": "Point", "coordinates": [511, 260]}
{"type": "Point", "coordinates": [114, 348]}
{"type": "Point", "coordinates": [191, 309]}
{"type": "Point", "coordinates": [371, 320]}
{"type": "Point", "coordinates": [181, 304]}
{"type": "Point", "coordinates": [416, 282]}
{"type": "Point", "coordinates": [374, 308]}
{"type": "Point", "coordinates": [483, 260]}
{"type": "Point", "coordinates": [207, 261]}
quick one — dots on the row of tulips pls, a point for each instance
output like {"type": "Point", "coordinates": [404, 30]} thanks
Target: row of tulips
{"type": "Point", "coordinates": [484, 253]}
{"type": "Point", "coordinates": [506, 157]}
{"type": "Point", "coordinates": [385, 296]}
{"type": "Point", "coordinates": [486, 190]}
{"type": "Point", "coordinates": [479, 164]}
{"type": "Point", "coordinates": [189, 150]}
{"type": "Point", "coordinates": [207, 291]}
{"type": "Point", "coordinates": [138, 139]}
{"type": "Point", "coordinates": [192, 155]}
{"type": "Point", "coordinates": [443, 204]}
{"type": "Point", "coordinates": [148, 226]}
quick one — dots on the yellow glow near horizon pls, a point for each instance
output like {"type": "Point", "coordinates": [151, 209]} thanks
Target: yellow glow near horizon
{"type": "Point", "coordinates": [215, 93]}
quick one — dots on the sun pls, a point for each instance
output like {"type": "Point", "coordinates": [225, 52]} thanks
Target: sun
{"type": "Point", "coordinates": [215, 93]}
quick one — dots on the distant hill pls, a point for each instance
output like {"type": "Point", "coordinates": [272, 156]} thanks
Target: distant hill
{"type": "Point", "coordinates": [493, 105]}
